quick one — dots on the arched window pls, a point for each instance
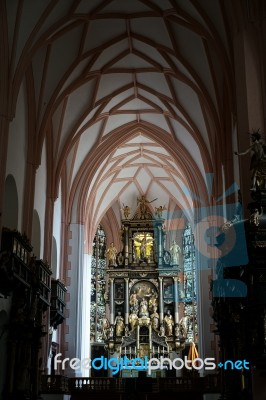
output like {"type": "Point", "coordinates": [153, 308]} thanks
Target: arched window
{"type": "Point", "coordinates": [190, 284]}
{"type": "Point", "coordinates": [98, 266]}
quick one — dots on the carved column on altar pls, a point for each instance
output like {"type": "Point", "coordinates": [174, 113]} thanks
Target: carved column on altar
{"type": "Point", "coordinates": [161, 299]}
{"type": "Point", "coordinates": [112, 301]}
{"type": "Point", "coordinates": [176, 299]}
{"type": "Point", "coordinates": [126, 302]}
{"type": "Point", "coordinates": [126, 243]}
{"type": "Point", "coordinates": [160, 246]}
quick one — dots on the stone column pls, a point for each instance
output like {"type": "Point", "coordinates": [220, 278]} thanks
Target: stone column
{"type": "Point", "coordinates": [112, 308]}
{"type": "Point", "coordinates": [161, 299]}
{"type": "Point", "coordinates": [137, 341]}
{"type": "Point", "coordinates": [126, 301]}
{"type": "Point", "coordinates": [176, 299]}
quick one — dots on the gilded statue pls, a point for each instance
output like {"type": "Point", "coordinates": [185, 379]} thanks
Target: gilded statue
{"type": "Point", "coordinates": [159, 211]}
{"type": "Point", "coordinates": [142, 202]}
{"type": "Point", "coordinates": [183, 326]}
{"type": "Point", "coordinates": [111, 254]}
{"type": "Point", "coordinates": [169, 323]}
{"type": "Point", "coordinates": [119, 324]}
{"type": "Point", "coordinates": [155, 319]}
{"type": "Point", "coordinates": [143, 250]}
{"type": "Point", "coordinates": [153, 300]}
{"type": "Point", "coordinates": [133, 320]}
{"type": "Point", "coordinates": [134, 303]}
{"type": "Point", "coordinates": [126, 210]}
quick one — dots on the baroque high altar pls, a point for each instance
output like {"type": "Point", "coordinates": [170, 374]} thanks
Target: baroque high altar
{"type": "Point", "coordinates": [145, 289]}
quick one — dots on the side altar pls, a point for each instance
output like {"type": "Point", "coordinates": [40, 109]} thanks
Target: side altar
{"type": "Point", "coordinates": [144, 290]}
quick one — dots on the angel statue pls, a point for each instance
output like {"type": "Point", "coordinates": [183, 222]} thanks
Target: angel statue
{"type": "Point", "coordinates": [159, 211]}
{"type": "Point", "coordinates": [126, 210]}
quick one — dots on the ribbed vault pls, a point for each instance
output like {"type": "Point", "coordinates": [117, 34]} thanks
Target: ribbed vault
{"type": "Point", "coordinates": [101, 74]}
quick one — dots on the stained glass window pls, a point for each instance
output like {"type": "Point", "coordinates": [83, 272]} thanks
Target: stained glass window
{"type": "Point", "coordinates": [98, 265]}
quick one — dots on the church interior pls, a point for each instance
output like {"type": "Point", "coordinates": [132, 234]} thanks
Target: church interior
{"type": "Point", "coordinates": [133, 199]}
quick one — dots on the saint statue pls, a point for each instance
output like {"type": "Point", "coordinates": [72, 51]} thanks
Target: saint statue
{"type": "Point", "coordinates": [169, 323]}
{"type": "Point", "coordinates": [134, 303]}
{"type": "Point", "coordinates": [183, 326]}
{"type": "Point", "coordinates": [133, 320]}
{"type": "Point", "coordinates": [119, 324]}
{"type": "Point", "coordinates": [153, 300]}
{"type": "Point", "coordinates": [111, 254]}
{"type": "Point", "coordinates": [106, 328]}
{"type": "Point", "coordinates": [143, 312]}
{"type": "Point", "coordinates": [155, 319]}
{"type": "Point", "coordinates": [258, 158]}
{"type": "Point", "coordinates": [175, 251]}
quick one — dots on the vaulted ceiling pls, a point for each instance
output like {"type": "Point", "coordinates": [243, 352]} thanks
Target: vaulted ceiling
{"type": "Point", "coordinates": [131, 97]}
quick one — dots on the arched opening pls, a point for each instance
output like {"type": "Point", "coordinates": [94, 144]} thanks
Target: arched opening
{"type": "Point", "coordinates": [10, 210]}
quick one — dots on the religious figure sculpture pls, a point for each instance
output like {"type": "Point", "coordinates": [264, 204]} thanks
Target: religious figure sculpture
{"type": "Point", "coordinates": [159, 211]}
{"type": "Point", "coordinates": [134, 303]}
{"type": "Point", "coordinates": [119, 324]}
{"type": "Point", "coordinates": [106, 328]}
{"type": "Point", "coordinates": [142, 201]}
{"type": "Point", "coordinates": [175, 251]}
{"type": "Point", "coordinates": [254, 217]}
{"type": "Point", "coordinates": [111, 254]}
{"type": "Point", "coordinates": [145, 246]}
{"type": "Point", "coordinates": [162, 330]}
{"type": "Point", "coordinates": [177, 330]}
{"type": "Point", "coordinates": [126, 210]}
{"type": "Point", "coordinates": [258, 159]}
{"type": "Point", "coordinates": [183, 326]}
{"type": "Point", "coordinates": [169, 323]}
{"type": "Point", "coordinates": [155, 319]}
{"type": "Point", "coordinates": [133, 320]}
{"type": "Point", "coordinates": [143, 312]}
{"type": "Point", "coordinates": [153, 300]}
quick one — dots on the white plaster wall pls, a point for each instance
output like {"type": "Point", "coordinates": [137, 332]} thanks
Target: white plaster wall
{"type": "Point", "coordinates": [57, 228]}
{"type": "Point", "coordinates": [40, 195]}
{"type": "Point", "coordinates": [75, 290]}
{"type": "Point", "coordinates": [17, 149]}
